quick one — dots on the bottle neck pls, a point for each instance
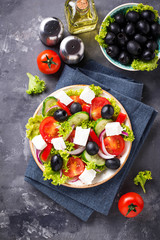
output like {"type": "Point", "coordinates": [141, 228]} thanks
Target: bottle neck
{"type": "Point", "coordinates": [82, 6]}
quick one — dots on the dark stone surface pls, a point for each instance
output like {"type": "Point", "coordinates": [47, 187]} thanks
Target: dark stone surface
{"type": "Point", "coordinates": [26, 213]}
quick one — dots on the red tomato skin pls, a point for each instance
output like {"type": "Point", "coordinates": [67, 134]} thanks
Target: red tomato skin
{"type": "Point", "coordinates": [48, 129]}
{"type": "Point", "coordinates": [114, 144]}
{"type": "Point", "coordinates": [46, 152]}
{"type": "Point", "coordinates": [77, 99]}
{"type": "Point", "coordinates": [126, 200]}
{"type": "Point", "coordinates": [75, 167]}
{"type": "Point", "coordinates": [86, 108]}
{"type": "Point", "coordinates": [96, 107]}
{"type": "Point", "coordinates": [43, 67]}
{"type": "Point", "coordinates": [64, 107]}
{"type": "Point", "coordinates": [94, 137]}
{"type": "Point", "coordinates": [121, 118]}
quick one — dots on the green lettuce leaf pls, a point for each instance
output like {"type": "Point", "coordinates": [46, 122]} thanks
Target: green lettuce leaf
{"type": "Point", "coordinates": [35, 85]}
{"type": "Point", "coordinates": [130, 136]}
{"type": "Point", "coordinates": [33, 126]}
{"type": "Point", "coordinates": [142, 177]}
{"type": "Point", "coordinates": [114, 104]}
{"type": "Point", "coordinates": [100, 38]}
{"type": "Point", "coordinates": [64, 129]}
{"type": "Point", "coordinates": [72, 92]}
{"type": "Point", "coordinates": [87, 124]}
{"type": "Point", "coordinates": [96, 89]}
{"type": "Point", "coordinates": [145, 66]}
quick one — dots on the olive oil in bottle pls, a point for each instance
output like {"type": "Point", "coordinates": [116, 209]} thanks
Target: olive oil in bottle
{"type": "Point", "coordinates": [81, 15]}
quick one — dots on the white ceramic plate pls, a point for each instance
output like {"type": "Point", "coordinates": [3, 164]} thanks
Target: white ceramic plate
{"type": "Point", "coordinates": [106, 174]}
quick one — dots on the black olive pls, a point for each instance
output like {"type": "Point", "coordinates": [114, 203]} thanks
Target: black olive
{"type": "Point", "coordinates": [124, 58]}
{"type": "Point", "coordinates": [122, 30]}
{"type": "Point", "coordinates": [151, 45]}
{"type": "Point", "coordinates": [113, 163]}
{"type": "Point", "coordinates": [130, 29]}
{"type": "Point", "coordinates": [120, 18]}
{"type": "Point", "coordinates": [112, 51]}
{"type": "Point", "coordinates": [148, 15]}
{"type": "Point", "coordinates": [143, 26]}
{"type": "Point", "coordinates": [107, 111]}
{"type": "Point", "coordinates": [110, 38]}
{"type": "Point", "coordinates": [155, 29]}
{"type": "Point", "coordinates": [75, 107]}
{"type": "Point", "coordinates": [147, 55]}
{"type": "Point", "coordinates": [134, 47]}
{"type": "Point", "coordinates": [122, 39]}
{"type": "Point", "coordinates": [132, 16]}
{"type": "Point", "coordinates": [92, 148]}
{"type": "Point", "coordinates": [60, 115]}
{"type": "Point", "coordinates": [56, 162]}
{"type": "Point", "coordinates": [140, 38]}
{"type": "Point", "coordinates": [114, 27]}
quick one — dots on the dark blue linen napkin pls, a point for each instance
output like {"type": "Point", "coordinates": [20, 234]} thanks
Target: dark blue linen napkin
{"type": "Point", "coordinates": [82, 202]}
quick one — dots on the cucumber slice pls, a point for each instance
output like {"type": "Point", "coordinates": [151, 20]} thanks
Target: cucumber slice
{"type": "Point", "coordinates": [95, 158]}
{"type": "Point", "coordinates": [48, 102]}
{"type": "Point", "coordinates": [77, 118]}
{"type": "Point", "coordinates": [100, 125]}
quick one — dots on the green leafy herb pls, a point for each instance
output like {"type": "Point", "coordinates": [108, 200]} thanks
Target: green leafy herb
{"type": "Point", "coordinates": [72, 92]}
{"type": "Point", "coordinates": [117, 109]}
{"type": "Point", "coordinates": [146, 66]}
{"type": "Point", "coordinates": [142, 177]}
{"type": "Point", "coordinates": [87, 124]}
{"type": "Point", "coordinates": [140, 7]}
{"type": "Point", "coordinates": [69, 146]}
{"type": "Point", "coordinates": [35, 85]}
{"type": "Point", "coordinates": [33, 126]}
{"type": "Point", "coordinates": [64, 129]}
{"type": "Point", "coordinates": [100, 38]}
{"type": "Point", "coordinates": [96, 89]}
{"type": "Point", "coordinates": [130, 136]}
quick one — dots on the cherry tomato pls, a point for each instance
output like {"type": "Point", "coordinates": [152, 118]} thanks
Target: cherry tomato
{"type": "Point", "coordinates": [48, 62]}
{"type": "Point", "coordinates": [48, 129]}
{"type": "Point", "coordinates": [86, 108]}
{"type": "Point", "coordinates": [96, 107]}
{"type": "Point", "coordinates": [114, 144]}
{"type": "Point", "coordinates": [46, 152]}
{"type": "Point", "coordinates": [77, 99]}
{"type": "Point", "coordinates": [64, 107]}
{"type": "Point", "coordinates": [71, 138]}
{"type": "Point", "coordinates": [121, 118]}
{"type": "Point", "coordinates": [130, 204]}
{"type": "Point", "coordinates": [75, 167]}
{"type": "Point", "coordinates": [94, 137]}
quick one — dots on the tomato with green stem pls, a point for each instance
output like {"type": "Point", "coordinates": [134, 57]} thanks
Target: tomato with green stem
{"type": "Point", "coordinates": [48, 62]}
{"type": "Point", "coordinates": [130, 204]}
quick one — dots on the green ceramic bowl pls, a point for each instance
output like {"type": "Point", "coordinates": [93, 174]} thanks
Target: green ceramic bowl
{"type": "Point", "coordinates": [112, 13]}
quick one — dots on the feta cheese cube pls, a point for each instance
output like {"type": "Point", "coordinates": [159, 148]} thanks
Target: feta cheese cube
{"type": "Point", "coordinates": [87, 95]}
{"type": "Point", "coordinates": [39, 143]}
{"type": "Point", "coordinates": [81, 136]}
{"type": "Point", "coordinates": [58, 143]}
{"type": "Point", "coordinates": [63, 97]}
{"type": "Point", "coordinates": [113, 128]}
{"type": "Point", "coordinates": [87, 176]}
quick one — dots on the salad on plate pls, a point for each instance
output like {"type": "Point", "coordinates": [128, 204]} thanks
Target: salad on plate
{"type": "Point", "coordinates": [80, 136]}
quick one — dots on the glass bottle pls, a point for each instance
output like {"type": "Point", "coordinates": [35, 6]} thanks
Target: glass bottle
{"type": "Point", "coordinates": [81, 15]}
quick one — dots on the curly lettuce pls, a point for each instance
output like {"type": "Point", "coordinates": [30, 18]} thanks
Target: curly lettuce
{"type": "Point", "coordinates": [87, 124]}
{"type": "Point", "coordinates": [72, 92]}
{"type": "Point", "coordinates": [142, 177]}
{"type": "Point", "coordinates": [145, 66]}
{"type": "Point", "coordinates": [129, 132]}
{"type": "Point", "coordinates": [117, 109]}
{"type": "Point", "coordinates": [33, 126]}
{"type": "Point", "coordinates": [35, 85]}
{"type": "Point", "coordinates": [64, 129]}
{"type": "Point", "coordinates": [101, 37]}
{"type": "Point", "coordinates": [96, 89]}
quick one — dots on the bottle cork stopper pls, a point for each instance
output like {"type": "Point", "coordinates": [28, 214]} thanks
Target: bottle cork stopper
{"type": "Point", "coordinates": [82, 4]}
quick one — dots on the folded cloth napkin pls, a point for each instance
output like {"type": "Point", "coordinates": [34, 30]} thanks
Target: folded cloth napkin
{"type": "Point", "coordinates": [82, 202]}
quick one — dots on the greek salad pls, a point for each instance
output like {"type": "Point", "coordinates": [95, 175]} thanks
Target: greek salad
{"type": "Point", "coordinates": [79, 134]}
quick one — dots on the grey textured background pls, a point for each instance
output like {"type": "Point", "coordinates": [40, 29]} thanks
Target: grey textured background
{"type": "Point", "coordinates": [25, 213]}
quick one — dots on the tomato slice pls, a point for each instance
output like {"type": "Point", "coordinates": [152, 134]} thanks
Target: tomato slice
{"type": "Point", "coordinates": [94, 137]}
{"type": "Point", "coordinates": [48, 129]}
{"type": "Point", "coordinates": [114, 144]}
{"type": "Point", "coordinates": [96, 107]}
{"type": "Point", "coordinates": [64, 107]}
{"type": "Point", "coordinates": [86, 108]}
{"type": "Point", "coordinates": [77, 99]}
{"type": "Point", "coordinates": [75, 167]}
{"type": "Point", "coordinates": [71, 138]}
{"type": "Point", "coordinates": [46, 152]}
{"type": "Point", "coordinates": [121, 118]}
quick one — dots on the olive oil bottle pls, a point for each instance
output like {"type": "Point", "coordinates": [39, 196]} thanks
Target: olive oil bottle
{"type": "Point", "coordinates": [81, 15]}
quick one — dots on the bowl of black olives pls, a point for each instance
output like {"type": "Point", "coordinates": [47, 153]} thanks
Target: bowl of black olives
{"type": "Point", "coordinates": [129, 37]}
